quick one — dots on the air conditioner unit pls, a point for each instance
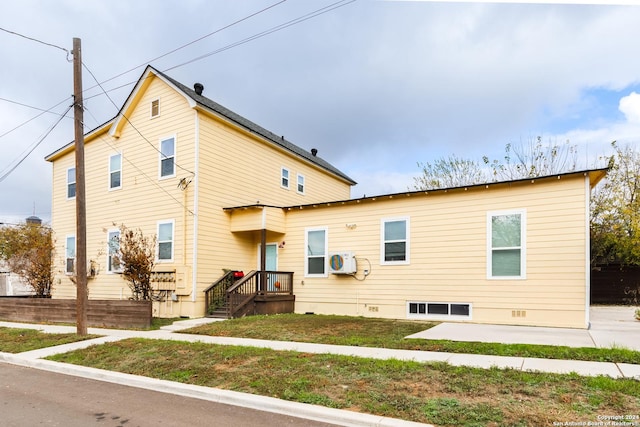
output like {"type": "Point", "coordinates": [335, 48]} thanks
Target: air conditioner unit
{"type": "Point", "coordinates": [342, 263]}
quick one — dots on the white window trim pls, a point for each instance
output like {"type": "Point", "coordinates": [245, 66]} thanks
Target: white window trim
{"type": "Point", "coordinates": [326, 251]}
{"type": "Point", "coordinates": [66, 246]}
{"type": "Point", "coordinates": [66, 188]}
{"type": "Point", "coordinates": [120, 170]}
{"type": "Point", "coordinates": [112, 271]}
{"type": "Point", "coordinates": [407, 260]}
{"type": "Point", "coordinates": [282, 170]}
{"type": "Point", "coordinates": [523, 244]}
{"type": "Point", "coordinates": [173, 240]}
{"type": "Point", "coordinates": [304, 184]}
{"type": "Point", "coordinates": [445, 317]}
{"type": "Point", "coordinates": [161, 157]}
{"type": "Point", "coordinates": [151, 108]}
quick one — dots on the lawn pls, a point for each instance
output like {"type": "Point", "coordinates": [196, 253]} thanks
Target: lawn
{"type": "Point", "coordinates": [432, 393]}
{"type": "Point", "coordinates": [371, 332]}
{"type": "Point", "coordinates": [19, 340]}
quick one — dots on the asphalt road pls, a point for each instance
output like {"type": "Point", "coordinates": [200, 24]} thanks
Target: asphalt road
{"type": "Point", "coordinates": [31, 397]}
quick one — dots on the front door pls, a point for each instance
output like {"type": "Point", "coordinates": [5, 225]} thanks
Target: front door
{"type": "Point", "coordinates": [271, 263]}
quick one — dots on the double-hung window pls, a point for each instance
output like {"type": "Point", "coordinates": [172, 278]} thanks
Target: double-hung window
{"type": "Point", "coordinates": [316, 252]}
{"type": "Point", "coordinates": [300, 184]}
{"type": "Point", "coordinates": [394, 242]}
{"type": "Point", "coordinates": [167, 157]}
{"type": "Point", "coordinates": [165, 240]}
{"type": "Point", "coordinates": [506, 238]}
{"type": "Point", "coordinates": [115, 171]}
{"type": "Point", "coordinates": [71, 183]}
{"type": "Point", "coordinates": [70, 255]}
{"type": "Point", "coordinates": [113, 250]}
{"type": "Point", "coordinates": [284, 178]}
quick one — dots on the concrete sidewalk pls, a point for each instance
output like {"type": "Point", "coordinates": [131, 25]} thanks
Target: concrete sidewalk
{"type": "Point", "coordinates": [606, 329]}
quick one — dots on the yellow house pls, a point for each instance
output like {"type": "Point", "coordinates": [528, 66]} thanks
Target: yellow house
{"type": "Point", "coordinates": [222, 193]}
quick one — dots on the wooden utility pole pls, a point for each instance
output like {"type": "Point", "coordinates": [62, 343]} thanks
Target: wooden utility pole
{"type": "Point", "coordinates": [81, 209]}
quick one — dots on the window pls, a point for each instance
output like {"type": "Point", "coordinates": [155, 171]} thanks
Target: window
{"type": "Point", "coordinates": [284, 178]}
{"type": "Point", "coordinates": [165, 241]}
{"type": "Point", "coordinates": [113, 248]}
{"type": "Point", "coordinates": [115, 171]}
{"type": "Point", "coordinates": [394, 244]}
{"type": "Point", "coordinates": [71, 183]}
{"type": "Point", "coordinates": [506, 245]}
{"type": "Point", "coordinates": [300, 184]}
{"type": "Point", "coordinates": [70, 258]}
{"type": "Point", "coordinates": [316, 255]}
{"type": "Point", "coordinates": [155, 108]}
{"type": "Point", "coordinates": [438, 310]}
{"type": "Point", "coordinates": [167, 157]}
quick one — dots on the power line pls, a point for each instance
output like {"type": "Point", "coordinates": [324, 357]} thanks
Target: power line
{"type": "Point", "coordinates": [35, 117]}
{"type": "Point", "coordinates": [35, 40]}
{"type": "Point", "coordinates": [191, 42]}
{"type": "Point", "coordinates": [34, 146]}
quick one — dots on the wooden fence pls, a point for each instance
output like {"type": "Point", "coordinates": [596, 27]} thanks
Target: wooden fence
{"type": "Point", "coordinates": [100, 313]}
{"type": "Point", "coordinates": [614, 284]}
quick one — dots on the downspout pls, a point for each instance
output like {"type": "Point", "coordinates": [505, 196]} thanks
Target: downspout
{"type": "Point", "coordinates": [196, 192]}
{"type": "Point", "coordinates": [587, 251]}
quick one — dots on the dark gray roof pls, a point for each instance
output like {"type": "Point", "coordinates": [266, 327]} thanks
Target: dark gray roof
{"type": "Point", "coordinates": [252, 127]}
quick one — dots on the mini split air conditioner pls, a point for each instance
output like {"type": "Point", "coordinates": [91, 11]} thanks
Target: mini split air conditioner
{"type": "Point", "coordinates": [342, 263]}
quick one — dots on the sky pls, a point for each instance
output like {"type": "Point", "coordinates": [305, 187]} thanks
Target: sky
{"type": "Point", "coordinates": [374, 86]}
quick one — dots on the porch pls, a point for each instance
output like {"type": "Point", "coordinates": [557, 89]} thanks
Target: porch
{"type": "Point", "coordinates": [259, 292]}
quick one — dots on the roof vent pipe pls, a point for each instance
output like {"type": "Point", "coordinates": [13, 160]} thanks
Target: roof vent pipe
{"type": "Point", "coordinates": [198, 87]}
{"type": "Point", "coordinates": [314, 152]}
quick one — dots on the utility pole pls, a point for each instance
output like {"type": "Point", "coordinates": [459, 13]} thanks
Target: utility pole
{"type": "Point", "coordinates": [81, 209]}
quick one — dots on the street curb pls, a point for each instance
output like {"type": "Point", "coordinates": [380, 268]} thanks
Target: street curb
{"type": "Point", "coordinates": [227, 397]}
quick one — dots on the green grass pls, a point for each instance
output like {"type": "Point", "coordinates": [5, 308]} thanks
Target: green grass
{"type": "Point", "coordinates": [435, 393]}
{"type": "Point", "coordinates": [19, 340]}
{"type": "Point", "coordinates": [370, 332]}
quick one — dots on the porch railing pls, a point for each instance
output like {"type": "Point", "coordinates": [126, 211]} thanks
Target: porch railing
{"type": "Point", "coordinates": [216, 294]}
{"type": "Point", "coordinates": [241, 296]}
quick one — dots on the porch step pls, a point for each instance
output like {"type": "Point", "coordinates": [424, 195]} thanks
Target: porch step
{"type": "Point", "coordinates": [219, 313]}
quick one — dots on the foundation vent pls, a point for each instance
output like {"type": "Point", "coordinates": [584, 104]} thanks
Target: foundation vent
{"type": "Point", "coordinates": [518, 313]}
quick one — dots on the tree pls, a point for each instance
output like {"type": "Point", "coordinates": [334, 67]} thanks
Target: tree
{"type": "Point", "coordinates": [136, 257]}
{"type": "Point", "coordinates": [615, 210]}
{"type": "Point", "coordinates": [533, 159]}
{"type": "Point", "coordinates": [449, 172]}
{"type": "Point", "coordinates": [28, 250]}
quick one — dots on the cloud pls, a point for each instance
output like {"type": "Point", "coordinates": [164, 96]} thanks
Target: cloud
{"type": "Point", "coordinates": [630, 106]}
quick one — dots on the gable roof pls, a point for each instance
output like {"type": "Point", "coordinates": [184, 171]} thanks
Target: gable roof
{"type": "Point", "coordinates": [198, 100]}
{"type": "Point", "coordinates": [271, 137]}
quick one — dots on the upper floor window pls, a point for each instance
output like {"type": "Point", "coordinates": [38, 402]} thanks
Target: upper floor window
{"type": "Point", "coordinates": [167, 157]}
{"type": "Point", "coordinates": [300, 184]}
{"type": "Point", "coordinates": [165, 240]}
{"type": "Point", "coordinates": [155, 108]}
{"type": "Point", "coordinates": [284, 178]}
{"type": "Point", "coordinates": [506, 244]}
{"type": "Point", "coordinates": [115, 171]}
{"type": "Point", "coordinates": [394, 244]}
{"type": "Point", "coordinates": [70, 255]}
{"type": "Point", "coordinates": [316, 252]}
{"type": "Point", "coordinates": [71, 183]}
{"type": "Point", "coordinates": [113, 249]}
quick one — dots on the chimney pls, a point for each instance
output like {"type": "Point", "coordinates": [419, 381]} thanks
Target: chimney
{"type": "Point", "coordinates": [198, 87]}
{"type": "Point", "coordinates": [314, 152]}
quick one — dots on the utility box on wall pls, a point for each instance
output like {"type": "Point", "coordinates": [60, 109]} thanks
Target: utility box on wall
{"type": "Point", "coordinates": [342, 262]}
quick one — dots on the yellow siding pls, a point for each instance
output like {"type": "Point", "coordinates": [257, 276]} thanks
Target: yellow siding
{"type": "Point", "coordinates": [448, 255]}
{"type": "Point", "coordinates": [143, 200]}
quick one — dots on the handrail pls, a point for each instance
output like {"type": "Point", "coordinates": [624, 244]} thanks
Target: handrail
{"type": "Point", "coordinates": [216, 294]}
{"type": "Point", "coordinates": [242, 294]}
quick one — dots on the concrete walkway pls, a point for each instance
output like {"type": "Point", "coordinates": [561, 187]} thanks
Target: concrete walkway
{"type": "Point", "coordinates": [607, 329]}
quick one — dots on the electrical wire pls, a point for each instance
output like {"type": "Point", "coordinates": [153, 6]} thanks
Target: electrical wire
{"type": "Point", "coordinates": [35, 40]}
{"type": "Point", "coordinates": [35, 117]}
{"type": "Point", "coordinates": [34, 146]}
